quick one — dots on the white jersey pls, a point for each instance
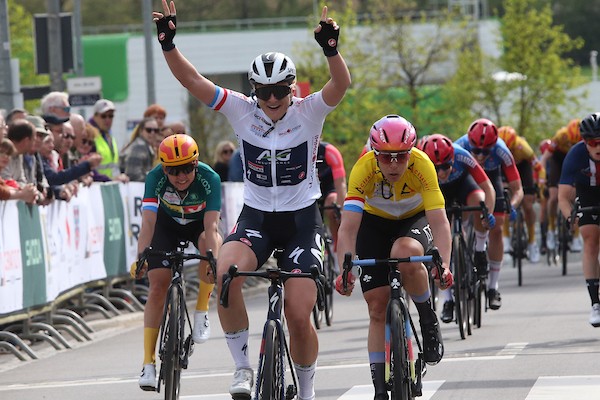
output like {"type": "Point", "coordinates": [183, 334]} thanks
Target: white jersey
{"type": "Point", "coordinates": [291, 182]}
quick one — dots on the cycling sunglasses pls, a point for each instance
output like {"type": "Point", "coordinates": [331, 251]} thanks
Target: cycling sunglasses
{"type": "Point", "coordinates": [443, 167]}
{"type": "Point", "coordinates": [484, 151]}
{"type": "Point", "coordinates": [593, 142]}
{"type": "Point", "coordinates": [265, 92]}
{"type": "Point", "coordinates": [178, 169]}
{"type": "Point", "coordinates": [388, 157]}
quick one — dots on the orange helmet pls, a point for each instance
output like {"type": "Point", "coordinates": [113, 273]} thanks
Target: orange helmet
{"type": "Point", "coordinates": [573, 131]}
{"type": "Point", "coordinates": [508, 134]}
{"type": "Point", "coordinates": [177, 149]}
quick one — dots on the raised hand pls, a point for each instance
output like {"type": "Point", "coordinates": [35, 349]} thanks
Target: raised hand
{"type": "Point", "coordinates": [327, 34]}
{"type": "Point", "coordinates": [166, 25]}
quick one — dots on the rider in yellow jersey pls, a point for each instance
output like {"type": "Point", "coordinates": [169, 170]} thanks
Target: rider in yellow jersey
{"type": "Point", "coordinates": [395, 208]}
{"type": "Point", "coordinates": [526, 161]}
{"type": "Point", "coordinates": [553, 158]}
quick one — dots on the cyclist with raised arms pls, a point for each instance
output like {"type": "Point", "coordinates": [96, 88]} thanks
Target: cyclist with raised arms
{"type": "Point", "coordinates": [395, 208]}
{"type": "Point", "coordinates": [462, 180]}
{"type": "Point", "coordinates": [332, 175]}
{"type": "Point", "coordinates": [526, 163]}
{"type": "Point", "coordinates": [553, 158]}
{"type": "Point", "coordinates": [580, 177]}
{"type": "Point", "coordinates": [182, 201]}
{"type": "Point", "coordinates": [481, 140]}
{"type": "Point", "coordinates": [278, 137]}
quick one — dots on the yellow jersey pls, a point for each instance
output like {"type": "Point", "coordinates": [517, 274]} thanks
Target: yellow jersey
{"type": "Point", "coordinates": [417, 190]}
{"type": "Point", "coordinates": [564, 139]}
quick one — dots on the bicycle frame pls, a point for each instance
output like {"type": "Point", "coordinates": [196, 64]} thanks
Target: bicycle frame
{"type": "Point", "coordinates": [174, 351]}
{"type": "Point", "coordinates": [273, 326]}
{"type": "Point", "coordinates": [465, 280]}
{"type": "Point", "coordinates": [403, 372]}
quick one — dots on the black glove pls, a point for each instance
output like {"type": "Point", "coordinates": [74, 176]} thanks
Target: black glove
{"type": "Point", "coordinates": [327, 38]}
{"type": "Point", "coordinates": [165, 33]}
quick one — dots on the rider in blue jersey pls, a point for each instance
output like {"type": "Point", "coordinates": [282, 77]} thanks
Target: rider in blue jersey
{"type": "Point", "coordinates": [494, 156]}
{"type": "Point", "coordinates": [462, 180]}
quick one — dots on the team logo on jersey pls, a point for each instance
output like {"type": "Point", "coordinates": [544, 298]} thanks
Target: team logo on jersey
{"type": "Point", "coordinates": [415, 231]}
{"type": "Point", "coordinates": [406, 189]}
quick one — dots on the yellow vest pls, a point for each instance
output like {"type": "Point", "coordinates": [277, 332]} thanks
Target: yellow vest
{"type": "Point", "coordinates": [110, 159]}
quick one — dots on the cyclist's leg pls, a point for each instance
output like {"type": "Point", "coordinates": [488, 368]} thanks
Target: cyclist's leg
{"type": "Point", "coordinates": [590, 232]}
{"type": "Point", "coordinates": [414, 239]}
{"type": "Point", "coordinates": [496, 248]}
{"type": "Point", "coordinates": [529, 190]}
{"type": "Point", "coordinates": [473, 196]}
{"type": "Point", "coordinates": [248, 248]}
{"type": "Point", "coordinates": [301, 251]}
{"type": "Point", "coordinates": [201, 331]}
{"type": "Point", "coordinates": [554, 168]}
{"type": "Point", "coordinates": [374, 241]}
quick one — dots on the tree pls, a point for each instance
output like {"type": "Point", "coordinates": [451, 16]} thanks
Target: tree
{"type": "Point", "coordinates": [538, 101]}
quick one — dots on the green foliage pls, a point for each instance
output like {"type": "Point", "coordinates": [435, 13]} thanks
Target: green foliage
{"type": "Point", "coordinates": [22, 48]}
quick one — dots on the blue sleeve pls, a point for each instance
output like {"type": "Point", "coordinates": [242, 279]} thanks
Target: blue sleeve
{"type": "Point", "coordinates": [70, 174]}
{"type": "Point", "coordinates": [236, 170]}
{"type": "Point", "coordinates": [576, 156]}
{"type": "Point", "coordinates": [213, 199]}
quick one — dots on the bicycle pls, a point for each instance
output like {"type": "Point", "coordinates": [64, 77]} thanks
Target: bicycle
{"type": "Point", "coordinates": [564, 238]}
{"type": "Point", "coordinates": [329, 271]}
{"type": "Point", "coordinates": [519, 240]}
{"type": "Point", "coordinates": [464, 277]}
{"type": "Point", "coordinates": [274, 351]}
{"type": "Point", "coordinates": [403, 373]}
{"type": "Point", "coordinates": [175, 347]}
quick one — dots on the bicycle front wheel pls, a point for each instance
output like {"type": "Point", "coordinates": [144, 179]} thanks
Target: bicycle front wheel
{"type": "Point", "coordinates": [460, 286]}
{"type": "Point", "coordinates": [171, 345]}
{"type": "Point", "coordinates": [329, 271]}
{"type": "Point", "coordinates": [398, 350]}
{"type": "Point", "coordinates": [271, 382]}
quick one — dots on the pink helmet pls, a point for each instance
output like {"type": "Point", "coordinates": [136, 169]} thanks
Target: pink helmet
{"type": "Point", "coordinates": [546, 144]}
{"type": "Point", "coordinates": [483, 133]}
{"type": "Point", "coordinates": [392, 133]}
{"type": "Point", "coordinates": [439, 149]}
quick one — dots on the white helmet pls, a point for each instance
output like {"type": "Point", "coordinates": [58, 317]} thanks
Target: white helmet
{"type": "Point", "coordinates": [271, 68]}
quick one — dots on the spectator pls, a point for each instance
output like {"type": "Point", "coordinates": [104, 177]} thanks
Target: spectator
{"type": "Point", "coordinates": [178, 127]}
{"type": "Point", "coordinates": [222, 156]}
{"type": "Point", "coordinates": [78, 123]}
{"type": "Point", "coordinates": [3, 127]}
{"type": "Point", "coordinates": [105, 144]}
{"type": "Point", "coordinates": [15, 114]}
{"type": "Point", "coordinates": [33, 164]}
{"type": "Point", "coordinates": [236, 168]}
{"type": "Point", "coordinates": [85, 151]}
{"type": "Point", "coordinates": [64, 151]}
{"type": "Point", "coordinates": [63, 191]}
{"type": "Point", "coordinates": [157, 112]}
{"type": "Point", "coordinates": [10, 190]}
{"type": "Point", "coordinates": [56, 104]}
{"type": "Point", "coordinates": [21, 133]}
{"type": "Point", "coordinates": [138, 156]}
{"type": "Point", "coordinates": [56, 126]}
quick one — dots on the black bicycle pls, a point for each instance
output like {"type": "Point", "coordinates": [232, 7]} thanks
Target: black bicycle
{"type": "Point", "coordinates": [329, 271]}
{"type": "Point", "coordinates": [519, 240]}
{"type": "Point", "coordinates": [465, 277]}
{"type": "Point", "coordinates": [175, 347]}
{"type": "Point", "coordinates": [274, 352]}
{"type": "Point", "coordinates": [563, 238]}
{"type": "Point", "coordinates": [403, 373]}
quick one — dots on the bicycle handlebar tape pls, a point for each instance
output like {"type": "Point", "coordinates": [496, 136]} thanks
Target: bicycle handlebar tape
{"type": "Point", "coordinates": [327, 38]}
{"type": "Point", "coordinates": [165, 33]}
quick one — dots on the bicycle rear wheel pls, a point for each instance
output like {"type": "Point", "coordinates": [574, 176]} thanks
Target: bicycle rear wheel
{"type": "Point", "coordinates": [563, 241]}
{"type": "Point", "coordinates": [398, 353]}
{"type": "Point", "coordinates": [172, 336]}
{"type": "Point", "coordinates": [519, 246]}
{"type": "Point", "coordinates": [460, 286]}
{"type": "Point", "coordinates": [271, 385]}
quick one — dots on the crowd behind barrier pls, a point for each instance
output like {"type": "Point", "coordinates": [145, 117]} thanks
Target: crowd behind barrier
{"type": "Point", "coordinates": [46, 252]}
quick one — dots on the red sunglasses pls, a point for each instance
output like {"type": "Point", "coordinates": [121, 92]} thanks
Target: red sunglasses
{"type": "Point", "coordinates": [593, 142]}
{"type": "Point", "coordinates": [388, 157]}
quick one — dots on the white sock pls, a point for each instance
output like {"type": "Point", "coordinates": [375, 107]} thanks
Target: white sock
{"type": "Point", "coordinates": [480, 240]}
{"type": "Point", "coordinates": [306, 381]}
{"type": "Point", "coordinates": [494, 274]}
{"type": "Point", "coordinates": [238, 347]}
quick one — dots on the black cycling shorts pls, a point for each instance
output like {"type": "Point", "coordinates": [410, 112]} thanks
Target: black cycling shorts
{"type": "Point", "coordinates": [460, 189]}
{"type": "Point", "coordinates": [298, 233]}
{"type": "Point", "coordinates": [554, 167]}
{"type": "Point", "coordinates": [376, 237]}
{"type": "Point", "coordinates": [496, 179]}
{"type": "Point", "coordinates": [526, 172]}
{"type": "Point", "coordinates": [588, 196]}
{"type": "Point", "coordinates": [167, 235]}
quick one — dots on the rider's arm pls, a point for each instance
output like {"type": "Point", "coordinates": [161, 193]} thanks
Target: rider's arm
{"type": "Point", "coordinates": [334, 159]}
{"type": "Point", "coordinates": [347, 234]}
{"type": "Point", "coordinates": [211, 231]}
{"type": "Point", "coordinates": [440, 228]}
{"type": "Point", "coordinates": [566, 198]}
{"type": "Point", "coordinates": [516, 188]}
{"type": "Point", "coordinates": [490, 195]}
{"type": "Point", "coordinates": [336, 87]}
{"type": "Point", "coordinates": [147, 230]}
